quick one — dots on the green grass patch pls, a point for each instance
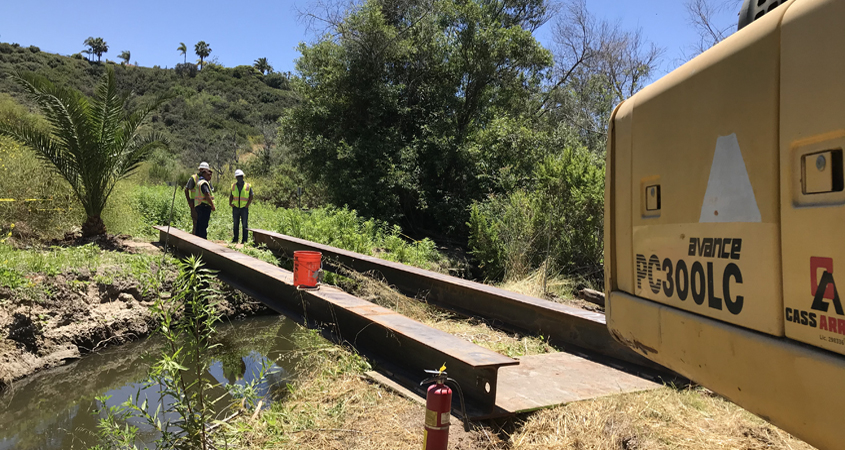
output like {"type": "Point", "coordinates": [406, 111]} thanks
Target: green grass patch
{"type": "Point", "coordinates": [104, 266]}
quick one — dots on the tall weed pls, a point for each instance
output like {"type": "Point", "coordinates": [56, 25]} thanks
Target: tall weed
{"type": "Point", "coordinates": [343, 228]}
{"type": "Point", "coordinates": [37, 200]}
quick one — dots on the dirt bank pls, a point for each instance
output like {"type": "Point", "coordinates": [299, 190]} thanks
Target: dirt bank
{"type": "Point", "coordinates": [59, 318]}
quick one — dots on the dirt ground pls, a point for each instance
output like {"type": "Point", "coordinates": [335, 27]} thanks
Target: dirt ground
{"type": "Point", "coordinates": [62, 317]}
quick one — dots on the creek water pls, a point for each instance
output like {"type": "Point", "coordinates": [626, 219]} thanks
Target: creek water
{"type": "Point", "coordinates": [54, 409]}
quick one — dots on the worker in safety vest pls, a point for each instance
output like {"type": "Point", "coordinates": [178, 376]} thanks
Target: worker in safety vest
{"type": "Point", "coordinates": [199, 194]}
{"type": "Point", "coordinates": [239, 200]}
{"type": "Point", "coordinates": [191, 193]}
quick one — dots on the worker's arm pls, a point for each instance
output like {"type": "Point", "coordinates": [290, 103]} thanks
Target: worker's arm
{"type": "Point", "coordinates": [210, 201]}
{"type": "Point", "coordinates": [231, 200]}
{"type": "Point", "coordinates": [249, 201]}
{"type": "Point", "coordinates": [189, 195]}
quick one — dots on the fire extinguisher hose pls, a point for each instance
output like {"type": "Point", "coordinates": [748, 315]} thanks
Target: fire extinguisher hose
{"type": "Point", "coordinates": [452, 382]}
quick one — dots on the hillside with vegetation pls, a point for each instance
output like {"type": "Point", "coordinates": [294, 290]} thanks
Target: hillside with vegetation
{"type": "Point", "coordinates": [215, 114]}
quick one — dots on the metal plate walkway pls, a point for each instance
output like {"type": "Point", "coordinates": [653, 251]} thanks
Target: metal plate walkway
{"type": "Point", "coordinates": [403, 348]}
{"type": "Point", "coordinates": [565, 326]}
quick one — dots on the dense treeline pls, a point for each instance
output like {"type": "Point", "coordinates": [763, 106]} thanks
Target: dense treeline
{"type": "Point", "coordinates": [450, 117]}
{"type": "Point", "coordinates": [396, 102]}
{"type": "Point", "coordinates": [212, 114]}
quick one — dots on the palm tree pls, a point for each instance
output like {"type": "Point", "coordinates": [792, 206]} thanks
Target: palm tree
{"type": "Point", "coordinates": [183, 49]}
{"type": "Point", "coordinates": [102, 47]}
{"type": "Point", "coordinates": [91, 143]}
{"type": "Point", "coordinates": [263, 66]}
{"type": "Point", "coordinates": [202, 50]}
{"type": "Point", "coordinates": [97, 45]}
{"type": "Point", "coordinates": [125, 56]}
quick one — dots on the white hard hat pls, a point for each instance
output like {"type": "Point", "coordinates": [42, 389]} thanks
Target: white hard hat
{"type": "Point", "coordinates": [204, 165]}
{"type": "Point", "coordinates": [239, 173]}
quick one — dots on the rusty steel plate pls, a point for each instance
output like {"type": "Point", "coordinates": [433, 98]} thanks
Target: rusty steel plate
{"type": "Point", "coordinates": [542, 381]}
{"type": "Point", "coordinates": [565, 326]}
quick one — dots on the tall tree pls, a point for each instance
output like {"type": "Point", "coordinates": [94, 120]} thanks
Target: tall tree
{"type": "Point", "coordinates": [597, 65]}
{"type": "Point", "coordinates": [97, 45]}
{"type": "Point", "coordinates": [263, 66]}
{"type": "Point", "coordinates": [91, 143]}
{"type": "Point", "coordinates": [396, 92]}
{"type": "Point", "coordinates": [202, 50]}
{"type": "Point", "coordinates": [710, 21]}
{"type": "Point", "coordinates": [183, 49]}
{"type": "Point", "coordinates": [125, 56]}
{"type": "Point", "coordinates": [89, 44]}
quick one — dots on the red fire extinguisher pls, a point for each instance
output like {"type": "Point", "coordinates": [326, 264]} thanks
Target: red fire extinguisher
{"type": "Point", "coordinates": [438, 407]}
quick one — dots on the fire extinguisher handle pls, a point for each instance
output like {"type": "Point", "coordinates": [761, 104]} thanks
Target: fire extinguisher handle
{"type": "Point", "coordinates": [453, 382]}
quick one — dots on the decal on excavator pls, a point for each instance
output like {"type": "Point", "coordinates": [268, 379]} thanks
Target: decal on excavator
{"type": "Point", "coordinates": [682, 279]}
{"type": "Point", "coordinates": [823, 288]}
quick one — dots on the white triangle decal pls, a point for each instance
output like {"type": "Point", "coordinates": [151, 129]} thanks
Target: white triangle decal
{"type": "Point", "coordinates": [729, 196]}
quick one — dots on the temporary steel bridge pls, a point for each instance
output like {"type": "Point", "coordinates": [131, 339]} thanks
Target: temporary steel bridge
{"type": "Point", "coordinates": [592, 365]}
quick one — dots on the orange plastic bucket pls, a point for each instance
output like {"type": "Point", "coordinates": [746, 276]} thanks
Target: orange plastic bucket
{"type": "Point", "coordinates": [306, 268]}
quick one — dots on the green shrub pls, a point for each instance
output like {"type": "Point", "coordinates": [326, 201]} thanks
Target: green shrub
{"type": "Point", "coordinates": [162, 168]}
{"type": "Point", "coordinates": [282, 187]}
{"type": "Point", "coordinates": [343, 228]}
{"type": "Point", "coordinates": [558, 219]}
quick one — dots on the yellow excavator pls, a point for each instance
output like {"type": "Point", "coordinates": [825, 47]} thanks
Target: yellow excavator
{"type": "Point", "coordinates": [725, 218]}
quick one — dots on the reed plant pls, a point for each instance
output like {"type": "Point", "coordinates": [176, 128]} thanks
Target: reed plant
{"type": "Point", "coordinates": [186, 408]}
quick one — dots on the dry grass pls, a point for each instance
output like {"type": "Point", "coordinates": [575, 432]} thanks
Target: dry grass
{"type": "Point", "coordinates": [473, 330]}
{"type": "Point", "coordinates": [332, 406]}
{"type": "Point", "coordinates": [556, 286]}
{"type": "Point", "coordinates": [558, 289]}
{"type": "Point", "coordinates": [661, 419]}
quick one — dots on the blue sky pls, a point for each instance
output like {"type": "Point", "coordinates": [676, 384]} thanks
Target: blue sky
{"type": "Point", "coordinates": [241, 31]}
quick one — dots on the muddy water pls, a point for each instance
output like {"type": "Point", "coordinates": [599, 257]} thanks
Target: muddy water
{"type": "Point", "coordinates": [53, 409]}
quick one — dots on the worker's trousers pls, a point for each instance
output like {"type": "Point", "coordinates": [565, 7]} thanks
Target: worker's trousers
{"type": "Point", "coordinates": [203, 217]}
{"type": "Point", "coordinates": [240, 216]}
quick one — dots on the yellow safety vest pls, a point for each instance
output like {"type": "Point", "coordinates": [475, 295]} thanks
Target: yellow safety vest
{"type": "Point", "coordinates": [199, 197]}
{"type": "Point", "coordinates": [240, 199]}
{"type": "Point", "coordinates": [193, 190]}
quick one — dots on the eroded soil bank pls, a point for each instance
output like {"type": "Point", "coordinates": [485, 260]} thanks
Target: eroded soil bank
{"type": "Point", "coordinates": [50, 319]}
